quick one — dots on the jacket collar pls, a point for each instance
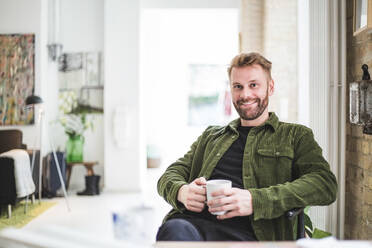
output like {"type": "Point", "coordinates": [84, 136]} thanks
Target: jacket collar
{"type": "Point", "coordinates": [272, 122]}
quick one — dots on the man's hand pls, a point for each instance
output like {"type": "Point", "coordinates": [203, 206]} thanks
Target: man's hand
{"type": "Point", "coordinates": [193, 195]}
{"type": "Point", "coordinates": [237, 202]}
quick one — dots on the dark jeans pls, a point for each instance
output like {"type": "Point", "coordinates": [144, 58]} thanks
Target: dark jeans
{"type": "Point", "coordinates": [197, 229]}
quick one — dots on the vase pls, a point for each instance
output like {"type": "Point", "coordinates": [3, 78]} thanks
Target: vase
{"type": "Point", "coordinates": [74, 149]}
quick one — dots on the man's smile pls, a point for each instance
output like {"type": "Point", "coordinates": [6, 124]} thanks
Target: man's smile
{"type": "Point", "coordinates": [247, 103]}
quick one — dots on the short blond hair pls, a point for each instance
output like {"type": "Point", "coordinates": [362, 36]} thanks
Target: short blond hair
{"type": "Point", "coordinates": [247, 59]}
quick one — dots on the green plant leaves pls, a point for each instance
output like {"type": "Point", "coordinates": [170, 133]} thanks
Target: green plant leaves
{"type": "Point", "coordinates": [308, 225]}
{"type": "Point", "coordinates": [310, 231]}
{"type": "Point", "coordinates": [319, 234]}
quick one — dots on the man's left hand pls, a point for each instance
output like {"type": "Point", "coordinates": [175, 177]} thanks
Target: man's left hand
{"type": "Point", "coordinates": [237, 202]}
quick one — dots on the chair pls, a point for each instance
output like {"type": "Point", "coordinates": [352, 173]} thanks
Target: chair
{"type": "Point", "coordinates": [9, 140]}
{"type": "Point", "coordinates": [299, 212]}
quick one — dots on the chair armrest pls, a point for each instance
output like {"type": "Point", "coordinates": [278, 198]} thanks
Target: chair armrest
{"type": "Point", "coordinates": [290, 214]}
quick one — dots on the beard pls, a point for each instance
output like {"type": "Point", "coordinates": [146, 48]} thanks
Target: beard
{"type": "Point", "coordinates": [252, 114]}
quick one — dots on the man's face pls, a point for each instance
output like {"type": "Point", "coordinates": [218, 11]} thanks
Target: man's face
{"type": "Point", "coordinates": [250, 90]}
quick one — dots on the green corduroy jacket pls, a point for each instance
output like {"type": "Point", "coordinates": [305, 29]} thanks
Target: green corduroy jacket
{"type": "Point", "coordinates": [283, 168]}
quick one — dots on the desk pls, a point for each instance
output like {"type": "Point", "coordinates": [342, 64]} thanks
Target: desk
{"type": "Point", "coordinates": [279, 244]}
{"type": "Point", "coordinates": [282, 244]}
{"type": "Point", "coordinates": [87, 165]}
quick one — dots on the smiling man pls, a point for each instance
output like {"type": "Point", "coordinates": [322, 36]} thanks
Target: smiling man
{"type": "Point", "coordinates": [274, 167]}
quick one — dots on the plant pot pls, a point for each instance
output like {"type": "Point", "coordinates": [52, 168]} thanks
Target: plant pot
{"type": "Point", "coordinates": [153, 162]}
{"type": "Point", "coordinates": [75, 149]}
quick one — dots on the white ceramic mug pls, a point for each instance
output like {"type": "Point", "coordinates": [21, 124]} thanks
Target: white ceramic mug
{"type": "Point", "coordinates": [214, 185]}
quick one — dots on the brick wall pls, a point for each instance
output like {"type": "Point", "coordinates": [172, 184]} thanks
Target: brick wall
{"type": "Point", "coordinates": [280, 45]}
{"type": "Point", "coordinates": [358, 202]}
{"type": "Point", "coordinates": [270, 27]}
{"type": "Point", "coordinates": [251, 26]}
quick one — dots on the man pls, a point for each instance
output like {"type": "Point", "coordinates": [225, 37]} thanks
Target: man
{"type": "Point", "coordinates": [274, 167]}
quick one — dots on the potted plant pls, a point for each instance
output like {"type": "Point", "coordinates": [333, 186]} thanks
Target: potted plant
{"type": "Point", "coordinates": [153, 156]}
{"type": "Point", "coordinates": [313, 232]}
{"type": "Point", "coordinates": [75, 122]}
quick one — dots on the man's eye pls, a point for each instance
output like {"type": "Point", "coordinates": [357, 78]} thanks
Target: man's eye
{"type": "Point", "coordinates": [237, 86]}
{"type": "Point", "coordinates": [253, 85]}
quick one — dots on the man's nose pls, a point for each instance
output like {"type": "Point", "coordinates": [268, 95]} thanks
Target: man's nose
{"type": "Point", "coordinates": [246, 93]}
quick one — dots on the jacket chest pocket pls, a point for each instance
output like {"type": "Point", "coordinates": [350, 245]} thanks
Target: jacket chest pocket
{"type": "Point", "coordinates": [274, 165]}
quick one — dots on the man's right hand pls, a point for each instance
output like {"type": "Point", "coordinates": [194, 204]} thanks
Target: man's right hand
{"type": "Point", "coordinates": [193, 195]}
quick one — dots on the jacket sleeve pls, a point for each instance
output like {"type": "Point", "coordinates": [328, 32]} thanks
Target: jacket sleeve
{"type": "Point", "coordinates": [315, 183]}
{"type": "Point", "coordinates": [176, 175]}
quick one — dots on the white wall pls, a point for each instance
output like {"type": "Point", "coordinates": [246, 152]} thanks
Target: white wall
{"type": "Point", "coordinates": [81, 25]}
{"type": "Point", "coordinates": [171, 40]}
{"type": "Point", "coordinates": [24, 16]}
{"type": "Point", "coordinates": [303, 61]}
{"type": "Point", "coordinates": [124, 168]}
{"type": "Point", "coordinates": [189, 4]}
{"type": "Point", "coordinates": [280, 47]}
{"type": "Point", "coordinates": [81, 30]}
{"type": "Point", "coordinates": [124, 165]}
{"type": "Point", "coordinates": [164, 88]}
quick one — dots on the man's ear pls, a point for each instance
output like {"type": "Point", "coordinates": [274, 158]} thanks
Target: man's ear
{"type": "Point", "coordinates": [271, 87]}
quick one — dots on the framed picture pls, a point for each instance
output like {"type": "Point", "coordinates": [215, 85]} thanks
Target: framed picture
{"type": "Point", "coordinates": [80, 69]}
{"type": "Point", "coordinates": [362, 16]}
{"type": "Point", "coordinates": [17, 78]}
{"type": "Point", "coordinates": [92, 65]}
{"type": "Point", "coordinates": [81, 73]}
{"type": "Point", "coordinates": [70, 62]}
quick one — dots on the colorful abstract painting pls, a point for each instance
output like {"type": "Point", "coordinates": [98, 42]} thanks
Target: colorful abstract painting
{"type": "Point", "coordinates": [17, 78]}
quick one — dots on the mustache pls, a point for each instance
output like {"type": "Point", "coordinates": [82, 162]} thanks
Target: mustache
{"type": "Point", "coordinates": [242, 101]}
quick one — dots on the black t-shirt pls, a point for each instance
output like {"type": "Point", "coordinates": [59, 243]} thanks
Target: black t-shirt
{"type": "Point", "coordinates": [230, 167]}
